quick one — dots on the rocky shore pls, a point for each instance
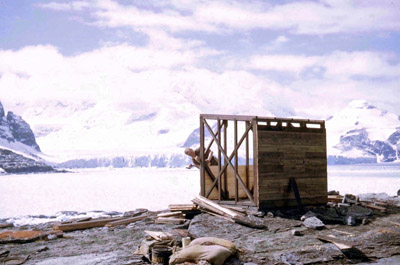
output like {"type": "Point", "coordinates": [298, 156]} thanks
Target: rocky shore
{"type": "Point", "coordinates": [286, 240]}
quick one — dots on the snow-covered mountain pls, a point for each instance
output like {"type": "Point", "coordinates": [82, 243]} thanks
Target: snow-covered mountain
{"type": "Point", "coordinates": [363, 133]}
{"type": "Point", "coordinates": [143, 130]}
{"type": "Point", "coordinates": [101, 133]}
{"type": "Point", "coordinates": [19, 151]}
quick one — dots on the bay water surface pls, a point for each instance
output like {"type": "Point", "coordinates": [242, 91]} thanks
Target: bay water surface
{"type": "Point", "coordinates": [108, 189]}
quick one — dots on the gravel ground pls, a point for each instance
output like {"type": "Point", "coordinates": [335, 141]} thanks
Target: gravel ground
{"type": "Point", "coordinates": [378, 242]}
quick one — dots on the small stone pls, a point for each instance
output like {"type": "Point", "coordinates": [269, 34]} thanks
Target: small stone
{"type": "Point", "coordinates": [314, 223]}
{"type": "Point", "coordinates": [51, 237]}
{"type": "Point", "coordinates": [270, 215]}
{"type": "Point", "coordinates": [350, 220]}
{"type": "Point", "coordinates": [351, 199]}
{"type": "Point", "coordinates": [331, 204]}
{"type": "Point", "coordinates": [43, 248]}
{"type": "Point", "coordinates": [295, 232]}
{"type": "Point", "coordinates": [307, 215]}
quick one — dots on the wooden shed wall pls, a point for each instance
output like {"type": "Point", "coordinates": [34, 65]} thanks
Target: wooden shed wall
{"type": "Point", "coordinates": [231, 182]}
{"type": "Point", "coordinates": [289, 152]}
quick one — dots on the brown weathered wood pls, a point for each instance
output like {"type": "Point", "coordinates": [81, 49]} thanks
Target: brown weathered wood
{"type": "Point", "coordinates": [225, 156]}
{"type": "Point", "coordinates": [236, 159]}
{"type": "Point", "coordinates": [227, 117]}
{"type": "Point", "coordinates": [170, 220]}
{"type": "Point", "coordinates": [284, 175]}
{"type": "Point", "coordinates": [374, 207]}
{"type": "Point", "coordinates": [216, 207]}
{"type": "Point", "coordinates": [247, 157]}
{"type": "Point", "coordinates": [171, 214]}
{"type": "Point", "coordinates": [267, 204]}
{"type": "Point", "coordinates": [231, 185]}
{"type": "Point", "coordinates": [225, 148]}
{"type": "Point", "coordinates": [291, 149]}
{"type": "Point", "coordinates": [255, 161]}
{"type": "Point", "coordinates": [250, 118]}
{"type": "Point", "coordinates": [215, 182]}
{"type": "Point", "coordinates": [182, 207]}
{"type": "Point", "coordinates": [85, 225]}
{"type": "Point", "coordinates": [264, 134]}
{"type": "Point", "coordinates": [126, 221]}
{"type": "Point", "coordinates": [219, 162]}
{"type": "Point", "coordinates": [202, 173]}
{"type": "Point", "coordinates": [335, 198]}
{"type": "Point", "coordinates": [341, 244]}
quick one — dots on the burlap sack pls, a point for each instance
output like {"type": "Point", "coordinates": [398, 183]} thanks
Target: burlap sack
{"type": "Point", "coordinates": [214, 254]}
{"type": "Point", "coordinates": [214, 241]}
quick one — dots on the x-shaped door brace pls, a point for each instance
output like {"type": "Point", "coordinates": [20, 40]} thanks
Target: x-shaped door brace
{"type": "Point", "coordinates": [218, 178]}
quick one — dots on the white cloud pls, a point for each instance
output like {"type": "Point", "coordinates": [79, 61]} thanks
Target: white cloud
{"type": "Point", "coordinates": [289, 63]}
{"type": "Point", "coordinates": [301, 17]}
{"type": "Point", "coordinates": [74, 5]}
{"type": "Point", "coordinates": [337, 64]}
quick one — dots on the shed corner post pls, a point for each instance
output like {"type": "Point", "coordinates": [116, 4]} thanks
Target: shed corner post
{"type": "Point", "coordinates": [255, 162]}
{"type": "Point", "coordinates": [202, 175]}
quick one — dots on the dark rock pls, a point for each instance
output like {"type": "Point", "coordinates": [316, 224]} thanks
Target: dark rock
{"type": "Point", "coordinates": [1, 112]}
{"type": "Point", "coordinates": [295, 232]}
{"type": "Point", "coordinates": [15, 163]}
{"type": "Point", "coordinates": [308, 215]}
{"type": "Point", "coordinates": [394, 138]}
{"type": "Point", "coordinates": [21, 130]}
{"type": "Point", "coordinates": [333, 192]}
{"type": "Point", "coordinates": [270, 215]}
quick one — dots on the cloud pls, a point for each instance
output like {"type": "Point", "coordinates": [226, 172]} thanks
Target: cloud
{"type": "Point", "coordinates": [71, 6]}
{"type": "Point", "coordinates": [125, 76]}
{"type": "Point", "coordinates": [297, 17]}
{"type": "Point", "coordinates": [337, 64]}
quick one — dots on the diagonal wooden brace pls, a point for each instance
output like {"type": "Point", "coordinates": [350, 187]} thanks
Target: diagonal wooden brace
{"type": "Point", "coordinates": [229, 162]}
{"type": "Point", "coordinates": [230, 159]}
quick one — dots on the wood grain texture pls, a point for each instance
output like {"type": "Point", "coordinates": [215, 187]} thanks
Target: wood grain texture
{"type": "Point", "coordinates": [286, 153]}
{"type": "Point", "coordinates": [231, 182]}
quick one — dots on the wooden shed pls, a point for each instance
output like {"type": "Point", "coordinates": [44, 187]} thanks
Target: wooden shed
{"type": "Point", "coordinates": [283, 162]}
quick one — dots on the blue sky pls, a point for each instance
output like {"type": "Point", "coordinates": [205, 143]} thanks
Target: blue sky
{"type": "Point", "coordinates": [305, 58]}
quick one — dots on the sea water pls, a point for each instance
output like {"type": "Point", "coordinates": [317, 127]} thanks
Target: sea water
{"type": "Point", "coordinates": [96, 191]}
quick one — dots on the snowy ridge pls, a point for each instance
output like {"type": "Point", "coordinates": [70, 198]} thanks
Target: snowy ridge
{"type": "Point", "coordinates": [149, 160]}
{"type": "Point", "coordinates": [142, 133]}
{"type": "Point", "coordinates": [363, 133]}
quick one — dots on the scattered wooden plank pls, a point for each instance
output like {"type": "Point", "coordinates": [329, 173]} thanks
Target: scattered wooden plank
{"type": "Point", "coordinates": [374, 207]}
{"type": "Point", "coordinates": [341, 244]}
{"type": "Point", "coordinates": [335, 198]}
{"type": "Point", "coordinates": [171, 214]}
{"type": "Point", "coordinates": [85, 225]}
{"type": "Point", "coordinates": [216, 207]}
{"type": "Point", "coordinates": [160, 236]}
{"type": "Point", "coordinates": [204, 207]}
{"type": "Point", "coordinates": [126, 221]}
{"type": "Point", "coordinates": [167, 220]}
{"type": "Point", "coordinates": [22, 236]}
{"type": "Point", "coordinates": [182, 207]}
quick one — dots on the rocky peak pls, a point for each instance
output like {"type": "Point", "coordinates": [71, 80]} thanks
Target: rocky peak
{"type": "Point", "coordinates": [361, 104]}
{"type": "Point", "coordinates": [1, 111]}
{"type": "Point", "coordinates": [21, 130]}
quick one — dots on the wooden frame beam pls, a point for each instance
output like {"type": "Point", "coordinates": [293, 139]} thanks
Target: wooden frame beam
{"type": "Point", "coordinates": [223, 170]}
{"type": "Point", "coordinates": [228, 160]}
